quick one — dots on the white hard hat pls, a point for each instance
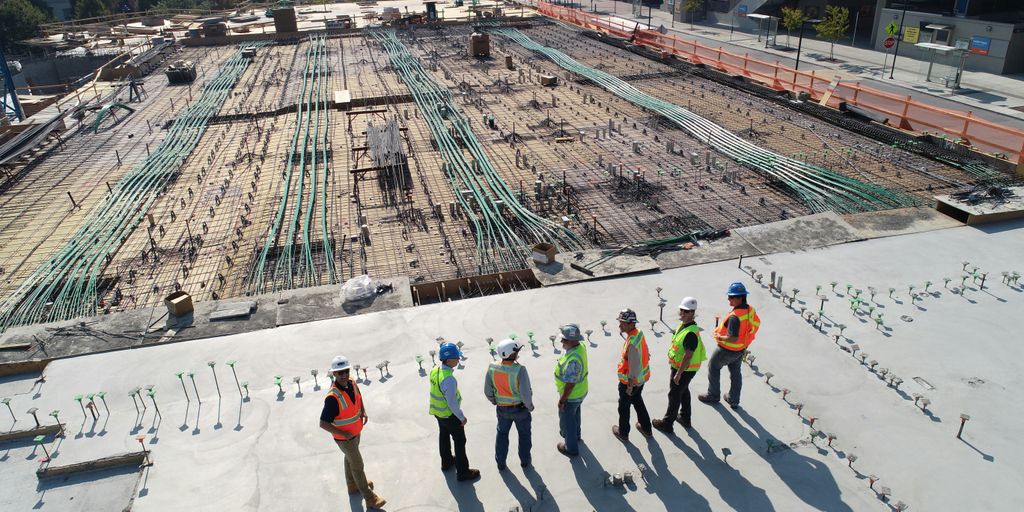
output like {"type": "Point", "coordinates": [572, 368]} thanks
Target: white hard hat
{"type": "Point", "coordinates": [340, 363]}
{"type": "Point", "coordinates": [508, 347]}
{"type": "Point", "coordinates": [689, 304]}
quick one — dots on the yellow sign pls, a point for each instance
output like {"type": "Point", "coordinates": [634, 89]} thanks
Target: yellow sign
{"type": "Point", "coordinates": [892, 29]}
{"type": "Point", "coordinates": [911, 34]}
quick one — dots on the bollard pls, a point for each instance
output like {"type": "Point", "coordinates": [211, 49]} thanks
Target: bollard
{"type": "Point", "coordinates": [231, 363]}
{"type": "Point", "coordinates": [181, 379]}
{"type": "Point", "coordinates": [963, 421]}
{"type": "Point", "coordinates": [211, 364]}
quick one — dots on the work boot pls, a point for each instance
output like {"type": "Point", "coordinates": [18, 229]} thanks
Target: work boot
{"type": "Point", "coordinates": [685, 423]}
{"type": "Point", "coordinates": [470, 474]}
{"type": "Point", "coordinates": [732, 405]}
{"type": "Point", "coordinates": [620, 437]}
{"type": "Point", "coordinates": [662, 425]}
{"type": "Point", "coordinates": [646, 433]}
{"type": "Point", "coordinates": [706, 398]}
{"type": "Point", "coordinates": [565, 451]}
{"type": "Point", "coordinates": [354, 489]}
{"type": "Point", "coordinates": [375, 501]}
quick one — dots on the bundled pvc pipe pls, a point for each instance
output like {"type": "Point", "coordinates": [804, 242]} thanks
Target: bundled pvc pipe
{"type": "Point", "coordinates": [819, 188]}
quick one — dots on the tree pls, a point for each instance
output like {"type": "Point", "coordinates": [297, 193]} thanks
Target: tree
{"type": "Point", "coordinates": [90, 9]}
{"type": "Point", "coordinates": [692, 6]}
{"type": "Point", "coordinates": [19, 20]}
{"type": "Point", "coordinates": [792, 18]}
{"type": "Point", "coordinates": [835, 25]}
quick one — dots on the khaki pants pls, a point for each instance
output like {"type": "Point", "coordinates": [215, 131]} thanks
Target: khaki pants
{"type": "Point", "coordinates": [354, 475]}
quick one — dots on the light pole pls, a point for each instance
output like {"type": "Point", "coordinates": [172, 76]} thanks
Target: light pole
{"type": "Point", "coordinates": [800, 41]}
{"type": "Point", "coordinates": [898, 37]}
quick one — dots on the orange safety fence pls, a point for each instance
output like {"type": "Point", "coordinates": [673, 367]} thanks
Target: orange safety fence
{"type": "Point", "coordinates": [902, 111]}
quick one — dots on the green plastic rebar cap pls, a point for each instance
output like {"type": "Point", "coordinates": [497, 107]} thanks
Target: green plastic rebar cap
{"type": "Point", "coordinates": [55, 412]}
{"type": "Point", "coordinates": [78, 398]}
{"type": "Point", "coordinates": [39, 439]}
{"type": "Point", "coordinates": [231, 362]}
{"type": "Point", "coordinates": [101, 394]}
{"type": "Point", "coordinates": [179, 374]}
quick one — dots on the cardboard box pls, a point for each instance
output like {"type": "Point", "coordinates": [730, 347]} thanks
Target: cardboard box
{"type": "Point", "coordinates": [178, 303]}
{"type": "Point", "coordinates": [544, 253]}
{"type": "Point", "coordinates": [547, 80]}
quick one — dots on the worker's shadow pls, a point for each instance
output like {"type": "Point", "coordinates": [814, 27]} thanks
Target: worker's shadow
{"type": "Point", "coordinates": [464, 493]}
{"type": "Point", "coordinates": [673, 492]}
{"type": "Point", "coordinates": [734, 489]}
{"type": "Point", "coordinates": [589, 474]}
{"type": "Point", "coordinates": [809, 479]}
{"type": "Point", "coordinates": [539, 499]}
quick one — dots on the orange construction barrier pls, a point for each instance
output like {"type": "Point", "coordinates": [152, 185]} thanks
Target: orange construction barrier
{"type": "Point", "coordinates": [902, 111]}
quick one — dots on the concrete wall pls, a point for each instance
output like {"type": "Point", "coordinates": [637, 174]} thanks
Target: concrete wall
{"type": "Point", "coordinates": [57, 70]}
{"type": "Point", "coordinates": [1001, 58]}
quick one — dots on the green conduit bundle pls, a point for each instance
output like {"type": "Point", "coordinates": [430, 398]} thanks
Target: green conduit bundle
{"type": "Point", "coordinates": [293, 270]}
{"type": "Point", "coordinates": [819, 188]}
{"type": "Point", "coordinates": [65, 285]}
{"type": "Point", "coordinates": [501, 244]}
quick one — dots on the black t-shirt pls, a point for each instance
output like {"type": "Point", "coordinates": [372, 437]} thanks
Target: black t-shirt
{"type": "Point", "coordinates": [690, 341]}
{"type": "Point", "coordinates": [732, 324]}
{"type": "Point", "coordinates": [331, 405]}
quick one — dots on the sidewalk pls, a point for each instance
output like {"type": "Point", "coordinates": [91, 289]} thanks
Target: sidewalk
{"type": "Point", "coordinates": [989, 96]}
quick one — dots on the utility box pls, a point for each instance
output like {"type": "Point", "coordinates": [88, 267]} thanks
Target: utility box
{"type": "Point", "coordinates": [479, 45]}
{"type": "Point", "coordinates": [284, 21]}
{"type": "Point", "coordinates": [544, 253]}
{"type": "Point", "coordinates": [548, 80]}
{"type": "Point", "coordinates": [178, 303]}
{"type": "Point", "coordinates": [181, 72]}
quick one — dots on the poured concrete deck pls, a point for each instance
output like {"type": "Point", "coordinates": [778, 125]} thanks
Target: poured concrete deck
{"type": "Point", "coordinates": [268, 454]}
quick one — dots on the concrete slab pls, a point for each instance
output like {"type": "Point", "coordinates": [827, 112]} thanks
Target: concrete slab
{"type": "Point", "coordinates": [801, 233]}
{"type": "Point", "coordinates": [982, 206]}
{"type": "Point", "coordinates": [605, 264]}
{"type": "Point", "coordinates": [234, 310]}
{"type": "Point", "coordinates": [707, 252]}
{"type": "Point", "coordinates": [268, 454]}
{"type": "Point", "coordinates": [901, 221]}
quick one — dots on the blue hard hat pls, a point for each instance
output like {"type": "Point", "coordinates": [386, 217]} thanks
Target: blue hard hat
{"type": "Point", "coordinates": [737, 289]}
{"type": "Point", "coordinates": [449, 350]}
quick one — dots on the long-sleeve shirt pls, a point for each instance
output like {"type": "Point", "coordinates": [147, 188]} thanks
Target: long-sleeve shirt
{"type": "Point", "coordinates": [634, 357]}
{"type": "Point", "coordinates": [449, 387]}
{"type": "Point", "coordinates": [525, 390]}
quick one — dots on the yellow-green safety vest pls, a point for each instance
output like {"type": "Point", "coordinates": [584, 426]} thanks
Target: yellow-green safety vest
{"type": "Point", "coordinates": [505, 380]}
{"type": "Point", "coordinates": [577, 353]}
{"type": "Point", "coordinates": [676, 350]}
{"type": "Point", "coordinates": [438, 404]}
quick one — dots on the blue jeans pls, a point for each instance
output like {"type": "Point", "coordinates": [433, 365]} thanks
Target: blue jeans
{"type": "Point", "coordinates": [522, 418]}
{"type": "Point", "coordinates": [569, 421]}
{"type": "Point", "coordinates": [732, 359]}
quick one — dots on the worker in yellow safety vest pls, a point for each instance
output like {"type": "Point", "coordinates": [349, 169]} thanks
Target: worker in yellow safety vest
{"type": "Point", "coordinates": [634, 371]}
{"type": "Point", "coordinates": [734, 334]}
{"type": "Point", "coordinates": [343, 416]}
{"type": "Point", "coordinates": [684, 356]}
{"type": "Point", "coordinates": [445, 405]}
{"type": "Point", "coordinates": [507, 386]}
{"type": "Point", "coordinates": [571, 382]}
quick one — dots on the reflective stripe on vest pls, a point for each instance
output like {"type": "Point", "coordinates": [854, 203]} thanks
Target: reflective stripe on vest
{"type": "Point", "coordinates": [349, 418]}
{"type": "Point", "coordinates": [438, 404]}
{"type": "Point", "coordinates": [579, 354]}
{"type": "Point", "coordinates": [749, 324]}
{"type": "Point", "coordinates": [637, 340]}
{"type": "Point", "coordinates": [505, 380]}
{"type": "Point", "coordinates": [676, 351]}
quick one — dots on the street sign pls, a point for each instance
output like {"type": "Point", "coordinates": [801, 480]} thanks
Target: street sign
{"type": "Point", "coordinates": [889, 41]}
{"type": "Point", "coordinates": [892, 29]}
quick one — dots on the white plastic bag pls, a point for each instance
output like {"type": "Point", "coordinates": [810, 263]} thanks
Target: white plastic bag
{"type": "Point", "coordinates": [358, 288]}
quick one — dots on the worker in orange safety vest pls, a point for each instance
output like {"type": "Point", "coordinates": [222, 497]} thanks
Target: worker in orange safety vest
{"type": "Point", "coordinates": [507, 386]}
{"type": "Point", "coordinates": [343, 416]}
{"type": "Point", "coordinates": [734, 334]}
{"type": "Point", "coordinates": [634, 371]}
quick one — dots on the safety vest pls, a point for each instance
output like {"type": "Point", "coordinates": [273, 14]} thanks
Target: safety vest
{"type": "Point", "coordinates": [349, 418]}
{"type": "Point", "coordinates": [505, 380]}
{"type": "Point", "coordinates": [749, 324]}
{"type": "Point", "coordinates": [676, 350]}
{"type": "Point", "coordinates": [579, 354]}
{"type": "Point", "coordinates": [438, 404]}
{"type": "Point", "coordinates": [637, 340]}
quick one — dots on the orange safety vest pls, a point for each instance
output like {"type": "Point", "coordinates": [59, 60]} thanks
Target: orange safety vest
{"type": "Point", "coordinates": [635, 339]}
{"type": "Point", "coordinates": [349, 418]}
{"type": "Point", "coordinates": [505, 380]}
{"type": "Point", "coordinates": [749, 324]}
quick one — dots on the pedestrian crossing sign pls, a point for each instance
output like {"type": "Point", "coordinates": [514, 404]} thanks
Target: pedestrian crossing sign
{"type": "Point", "coordinates": [892, 29]}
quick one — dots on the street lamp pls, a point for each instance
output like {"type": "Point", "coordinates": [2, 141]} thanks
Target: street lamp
{"type": "Point", "coordinates": [800, 42]}
{"type": "Point", "coordinates": [899, 36]}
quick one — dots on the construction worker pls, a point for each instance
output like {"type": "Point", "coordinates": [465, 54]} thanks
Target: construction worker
{"type": "Point", "coordinates": [507, 386]}
{"type": "Point", "coordinates": [684, 356]}
{"type": "Point", "coordinates": [571, 381]}
{"type": "Point", "coordinates": [634, 371]}
{"type": "Point", "coordinates": [733, 335]}
{"type": "Point", "coordinates": [445, 401]}
{"type": "Point", "coordinates": [343, 416]}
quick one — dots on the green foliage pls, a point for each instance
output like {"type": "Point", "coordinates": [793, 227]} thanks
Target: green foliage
{"type": "Point", "coordinates": [90, 9]}
{"type": "Point", "coordinates": [692, 6]}
{"type": "Point", "coordinates": [792, 18]}
{"type": "Point", "coordinates": [834, 26]}
{"type": "Point", "coordinates": [19, 20]}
